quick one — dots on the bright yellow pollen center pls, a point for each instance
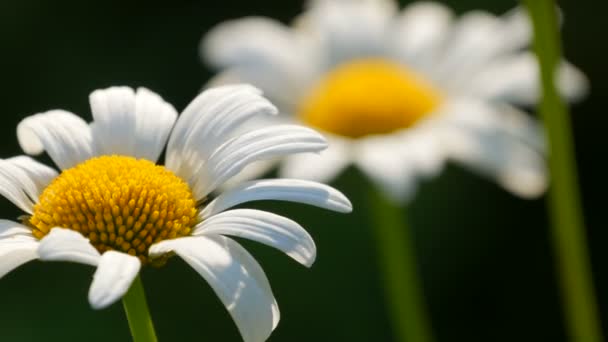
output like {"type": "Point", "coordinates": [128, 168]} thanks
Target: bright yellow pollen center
{"type": "Point", "coordinates": [365, 97]}
{"type": "Point", "coordinates": [119, 203]}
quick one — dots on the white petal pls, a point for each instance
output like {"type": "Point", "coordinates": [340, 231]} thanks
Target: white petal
{"type": "Point", "coordinates": [516, 79]}
{"type": "Point", "coordinates": [208, 121]}
{"type": "Point", "coordinates": [235, 276]}
{"type": "Point", "coordinates": [40, 174]}
{"type": "Point", "coordinates": [112, 279]}
{"type": "Point", "coordinates": [153, 123]}
{"type": "Point", "coordinates": [474, 39]}
{"type": "Point", "coordinates": [251, 171]}
{"type": "Point", "coordinates": [261, 167]}
{"type": "Point", "coordinates": [262, 144]}
{"type": "Point", "coordinates": [380, 159]}
{"type": "Point", "coordinates": [113, 124]}
{"type": "Point", "coordinates": [264, 227]}
{"type": "Point", "coordinates": [255, 42]}
{"type": "Point", "coordinates": [350, 29]}
{"type": "Point", "coordinates": [516, 28]}
{"type": "Point", "coordinates": [292, 190]}
{"type": "Point", "coordinates": [9, 229]}
{"type": "Point", "coordinates": [487, 142]}
{"type": "Point", "coordinates": [323, 167]}
{"type": "Point", "coordinates": [64, 136]}
{"type": "Point", "coordinates": [22, 180]}
{"type": "Point", "coordinates": [419, 32]}
{"type": "Point", "coordinates": [62, 244]}
{"type": "Point", "coordinates": [478, 38]}
{"type": "Point", "coordinates": [262, 52]}
{"type": "Point", "coordinates": [16, 251]}
{"type": "Point", "coordinates": [129, 123]}
{"type": "Point", "coordinates": [283, 89]}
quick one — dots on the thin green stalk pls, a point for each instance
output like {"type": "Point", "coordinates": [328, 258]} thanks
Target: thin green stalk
{"type": "Point", "coordinates": [136, 308]}
{"type": "Point", "coordinates": [564, 198]}
{"type": "Point", "coordinates": [398, 267]}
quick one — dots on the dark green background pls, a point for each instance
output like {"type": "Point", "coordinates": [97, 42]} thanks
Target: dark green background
{"type": "Point", "coordinates": [485, 255]}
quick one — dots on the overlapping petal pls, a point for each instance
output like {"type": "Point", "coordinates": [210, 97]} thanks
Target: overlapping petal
{"type": "Point", "coordinates": [22, 180]}
{"type": "Point", "coordinates": [208, 121]}
{"type": "Point", "coordinates": [62, 244]}
{"type": "Point", "coordinates": [419, 32]}
{"type": "Point", "coordinates": [349, 29]}
{"type": "Point", "coordinates": [264, 227]}
{"type": "Point", "coordinates": [262, 144]}
{"type": "Point", "coordinates": [130, 123]}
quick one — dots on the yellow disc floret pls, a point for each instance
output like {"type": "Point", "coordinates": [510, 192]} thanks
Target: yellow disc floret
{"type": "Point", "coordinates": [118, 203]}
{"type": "Point", "coordinates": [365, 97]}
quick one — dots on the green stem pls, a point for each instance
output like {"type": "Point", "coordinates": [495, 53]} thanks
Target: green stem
{"type": "Point", "coordinates": [398, 267]}
{"type": "Point", "coordinates": [566, 214]}
{"type": "Point", "coordinates": [136, 308]}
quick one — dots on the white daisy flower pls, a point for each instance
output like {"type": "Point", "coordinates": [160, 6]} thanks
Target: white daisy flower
{"type": "Point", "coordinates": [399, 92]}
{"type": "Point", "coordinates": [113, 208]}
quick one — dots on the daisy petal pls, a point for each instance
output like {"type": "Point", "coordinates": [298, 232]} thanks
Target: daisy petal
{"type": "Point", "coordinates": [63, 135]}
{"type": "Point", "coordinates": [475, 38]}
{"type": "Point", "coordinates": [419, 32]}
{"type": "Point", "coordinates": [264, 227]}
{"type": "Point", "coordinates": [516, 79]}
{"type": "Point", "coordinates": [292, 190]}
{"type": "Point", "coordinates": [40, 174]}
{"type": "Point", "coordinates": [113, 120]}
{"type": "Point", "coordinates": [350, 29]}
{"type": "Point", "coordinates": [9, 229]}
{"type": "Point", "coordinates": [16, 251]}
{"type": "Point", "coordinates": [23, 179]}
{"type": "Point", "coordinates": [263, 52]}
{"type": "Point", "coordinates": [129, 123]}
{"type": "Point", "coordinates": [478, 39]}
{"type": "Point", "coordinates": [390, 164]}
{"type": "Point", "coordinates": [62, 244]}
{"type": "Point", "coordinates": [254, 41]}
{"type": "Point", "coordinates": [251, 171]}
{"type": "Point", "coordinates": [484, 140]}
{"type": "Point", "coordinates": [112, 279]}
{"type": "Point", "coordinates": [262, 144]}
{"type": "Point", "coordinates": [153, 123]}
{"type": "Point", "coordinates": [208, 121]}
{"type": "Point", "coordinates": [324, 166]}
{"type": "Point", "coordinates": [235, 276]}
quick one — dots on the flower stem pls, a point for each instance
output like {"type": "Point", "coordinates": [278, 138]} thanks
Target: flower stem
{"type": "Point", "coordinates": [564, 198]}
{"type": "Point", "coordinates": [398, 267]}
{"type": "Point", "coordinates": [136, 308]}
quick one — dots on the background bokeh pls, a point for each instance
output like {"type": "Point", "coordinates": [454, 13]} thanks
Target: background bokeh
{"type": "Point", "coordinates": [485, 256]}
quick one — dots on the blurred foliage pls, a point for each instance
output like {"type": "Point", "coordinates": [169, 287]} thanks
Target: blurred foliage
{"type": "Point", "coordinates": [484, 255]}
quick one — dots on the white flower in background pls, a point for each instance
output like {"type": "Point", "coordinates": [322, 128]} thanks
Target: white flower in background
{"type": "Point", "coordinates": [398, 93]}
{"type": "Point", "coordinates": [113, 208]}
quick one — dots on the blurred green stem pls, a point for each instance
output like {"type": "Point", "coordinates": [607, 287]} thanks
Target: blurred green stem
{"type": "Point", "coordinates": [136, 308]}
{"type": "Point", "coordinates": [398, 267]}
{"type": "Point", "coordinates": [566, 214]}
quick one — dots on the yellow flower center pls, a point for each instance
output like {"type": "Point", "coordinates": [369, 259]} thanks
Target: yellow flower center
{"type": "Point", "coordinates": [370, 96]}
{"type": "Point", "coordinates": [118, 203]}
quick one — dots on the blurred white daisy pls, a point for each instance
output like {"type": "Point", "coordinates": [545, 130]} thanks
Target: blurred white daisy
{"type": "Point", "coordinates": [398, 93]}
{"type": "Point", "coordinates": [113, 208]}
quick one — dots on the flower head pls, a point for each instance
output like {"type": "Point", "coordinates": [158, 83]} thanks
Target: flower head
{"type": "Point", "coordinates": [113, 207]}
{"type": "Point", "coordinates": [398, 93]}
